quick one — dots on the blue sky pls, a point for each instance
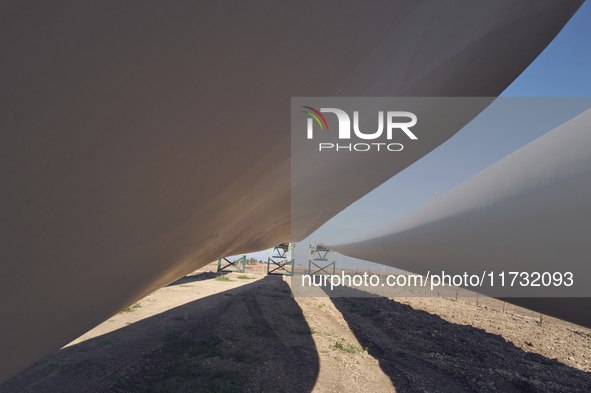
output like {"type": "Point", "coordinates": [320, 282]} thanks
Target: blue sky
{"type": "Point", "coordinates": [562, 70]}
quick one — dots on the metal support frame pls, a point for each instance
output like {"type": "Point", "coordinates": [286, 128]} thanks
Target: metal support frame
{"type": "Point", "coordinates": [236, 266]}
{"type": "Point", "coordinates": [282, 259]}
{"type": "Point", "coordinates": [322, 259]}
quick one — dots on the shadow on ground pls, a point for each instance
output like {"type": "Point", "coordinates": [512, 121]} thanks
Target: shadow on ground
{"type": "Point", "coordinates": [197, 277]}
{"type": "Point", "coordinates": [422, 352]}
{"type": "Point", "coordinates": [249, 339]}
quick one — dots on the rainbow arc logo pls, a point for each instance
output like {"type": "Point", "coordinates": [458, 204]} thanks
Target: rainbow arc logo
{"type": "Point", "coordinates": [316, 117]}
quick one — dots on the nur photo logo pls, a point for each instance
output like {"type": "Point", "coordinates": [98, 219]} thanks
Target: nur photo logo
{"type": "Point", "coordinates": [397, 123]}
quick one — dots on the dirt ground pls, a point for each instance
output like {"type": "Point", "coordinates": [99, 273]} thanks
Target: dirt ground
{"type": "Point", "coordinates": [246, 333]}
